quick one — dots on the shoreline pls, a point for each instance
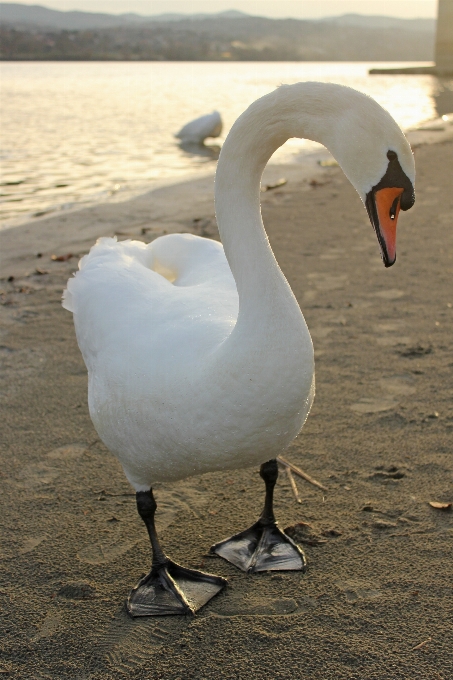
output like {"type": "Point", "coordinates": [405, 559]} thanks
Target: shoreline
{"type": "Point", "coordinates": [180, 206]}
{"type": "Point", "coordinates": [176, 206]}
{"type": "Point", "coordinates": [109, 165]}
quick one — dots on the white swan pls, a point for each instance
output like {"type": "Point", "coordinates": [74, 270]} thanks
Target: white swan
{"type": "Point", "coordinates": [198, 355]}
{"type": "Point", "coordinates": [199, 129]}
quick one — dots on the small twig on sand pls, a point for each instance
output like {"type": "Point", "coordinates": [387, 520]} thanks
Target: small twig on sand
{"type": "Point", "coordinates": [422, 644]}
{"type": "Point", "coordinates": [293, 485]}
{"type": "Point", "coordinates": [300, 472]}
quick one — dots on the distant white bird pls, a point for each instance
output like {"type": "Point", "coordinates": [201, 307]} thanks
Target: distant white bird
{"type": "Point", "coordinates": [199, 129]}
{"type": "Point", "coordinates": [198, 356]}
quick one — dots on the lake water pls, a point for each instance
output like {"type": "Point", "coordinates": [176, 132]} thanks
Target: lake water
{"type": "Point", "coordinates": [75, 133]}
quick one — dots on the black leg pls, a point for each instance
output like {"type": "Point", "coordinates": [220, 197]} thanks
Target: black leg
{"type": "Point", "coordinates": [263, 547]}
{"type": "Point", "coordinates": [269, 474]}
{"type": "Point", "coordinates": [146, 507]}
{"type": "Point", "coordinates": [168, 589]}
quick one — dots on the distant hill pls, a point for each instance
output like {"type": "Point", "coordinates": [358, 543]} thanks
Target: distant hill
{"type": "Point", "coordinates": [26, 17]}
{"type": "Point", "coordinates": [374, 21]}
{"type": "Point", "coordinates": [36, 16]}
{"type": "Point", "coordinates": [35, 32]}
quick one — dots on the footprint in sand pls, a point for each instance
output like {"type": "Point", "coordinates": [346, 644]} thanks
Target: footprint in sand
{"type": "Point", "coordinates": [31, 543]}
{"type": "Point", "coordinates": [398, 384]}
{"type": "Point", "coordinates": [77, 590]}
{"type": "Point", "coordinates": [357, 590]}
{"type": "Point", "coordinates": [37, 474]}
{"type": "Point", "coordinates": [52, 624]}
{"type": "Point", "coordinates": [184, 496]}
{"type": "Point", "coordinates": [68, 452]}
{"type": "Point", "coordinates": [253, 606]}
{"type": "Point", "coordinates": [128, 644]}
{"type": "Point", "coordinates": [395, 386]}
{"type": "Point", "coordinates": [371, 405]}
{"type": "Point", "coordinates": [104, 551]}
{"type": "Point", "coordinates": [388, 339]}
{"type": "Point", "coordinates": [170, 501]}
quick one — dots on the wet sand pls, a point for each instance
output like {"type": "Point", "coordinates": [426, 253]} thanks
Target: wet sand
{"type": "Point", "coordinates": [376, 602]}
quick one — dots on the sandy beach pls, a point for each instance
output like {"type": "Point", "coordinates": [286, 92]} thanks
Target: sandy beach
{"type": "Point", "coordinates": [376, 602]}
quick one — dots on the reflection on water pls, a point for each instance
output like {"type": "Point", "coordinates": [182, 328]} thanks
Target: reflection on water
{"type": "Point", "coordinates": [203, 150]}
{"type": "Point", "coordinates": [77, 133]}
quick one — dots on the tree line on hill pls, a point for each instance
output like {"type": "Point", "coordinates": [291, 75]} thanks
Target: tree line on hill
{"type": "Point", "coordinates": [224, 38]}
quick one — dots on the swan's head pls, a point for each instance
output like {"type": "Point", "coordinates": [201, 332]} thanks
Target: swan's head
{"type": "Point", "coordinates": [393, 192]}
{"type": "Point", "coordinates": [362, 136]}
{"type": "Point", "coordinates": [375, 156]}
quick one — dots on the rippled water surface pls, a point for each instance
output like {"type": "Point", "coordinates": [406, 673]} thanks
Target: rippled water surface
{"type": "Point", "coordinates": [81, 132]}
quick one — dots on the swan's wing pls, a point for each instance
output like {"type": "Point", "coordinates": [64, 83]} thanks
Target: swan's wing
{"type": "Point", "coordinates": [174, 295]}
{"type": "Point", "coordinates": [187, 260]}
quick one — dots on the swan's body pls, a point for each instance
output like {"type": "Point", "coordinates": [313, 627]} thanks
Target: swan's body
{"type": "Point", "coordinates": [201, 128]}
{"type": "Point", "coordinates": [198, 355]}
{"type": "Point", "coordinates": [164, 393]}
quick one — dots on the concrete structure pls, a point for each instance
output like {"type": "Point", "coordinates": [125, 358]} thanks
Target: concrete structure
{"type": "Point", "coordinates": [444, 38]}
{"type": "Point", "coordinates": [444, 47]}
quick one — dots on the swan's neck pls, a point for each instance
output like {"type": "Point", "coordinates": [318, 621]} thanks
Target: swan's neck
{"type": "Point", "coordinates": [264, 127]}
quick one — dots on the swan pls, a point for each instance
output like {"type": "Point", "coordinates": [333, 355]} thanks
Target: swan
{"type": "Point", "coordinates": [198, 355]}
{"type": "Point", "coordinates": [199, 129]}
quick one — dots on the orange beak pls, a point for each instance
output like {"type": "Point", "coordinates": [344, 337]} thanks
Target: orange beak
{"type": "Point", "coordinates": [383, 208]}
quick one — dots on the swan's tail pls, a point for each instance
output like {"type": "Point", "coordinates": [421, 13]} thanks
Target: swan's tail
{"type": "Point", "coordinates": [67, 300]}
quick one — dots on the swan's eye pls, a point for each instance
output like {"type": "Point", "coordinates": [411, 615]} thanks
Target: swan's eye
{"type": "Point", "coordinates": [394, 208]}
{"type": "Point", "coordinates": [391, 155]}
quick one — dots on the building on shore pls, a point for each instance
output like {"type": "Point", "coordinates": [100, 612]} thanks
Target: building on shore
{"type": "Point", "coordinates": [444, 38]}
{"type": "Point", "coordinates": [443, 56]}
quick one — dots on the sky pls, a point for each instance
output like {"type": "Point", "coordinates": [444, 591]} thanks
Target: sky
{"type": "Point", "coordinates": [299, 9]}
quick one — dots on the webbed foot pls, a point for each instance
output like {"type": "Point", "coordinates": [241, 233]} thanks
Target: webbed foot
{"type": "Point", "coordinates": [263, 547]}
{"type": "Point", "coordinates": [168, 589]}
